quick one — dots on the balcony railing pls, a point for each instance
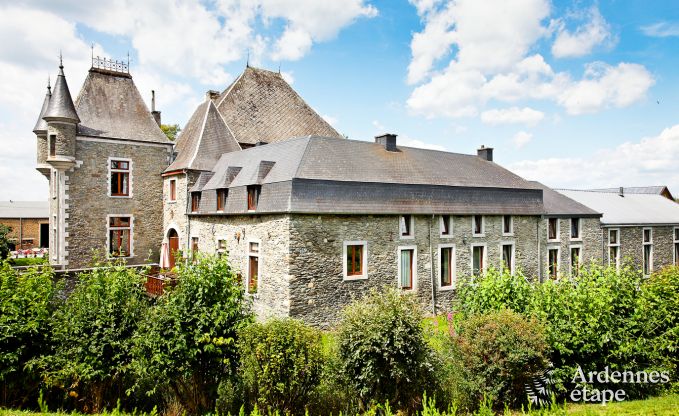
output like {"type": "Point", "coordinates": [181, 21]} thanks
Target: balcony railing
{"type": "Point", "coordinates": [156, 284]}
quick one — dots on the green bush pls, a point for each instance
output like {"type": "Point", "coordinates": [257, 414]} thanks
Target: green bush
{"type": "Point", "coordinates": [383, 353]}
{"type": "Point", "coordinates": [281, 363]}
{"type": "Point", "coordinates": [493, 291]}
{"type": "Point", "coordinates": [186, 346]}
{"type": "Point", "coordinates": [92, 335]}
{"type": "Point", "coordinates": [27, 301]}
{"type": "Point", "coordinates": [4, 241]}
{"type": "Point", "coordinates": [501, 352]}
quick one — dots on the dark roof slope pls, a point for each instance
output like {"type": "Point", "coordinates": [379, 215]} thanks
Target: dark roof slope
{"type": "Point", "coordinates": [61, 104]}
{"type": "Point", "coordinates": [41, 125]}
{"type": "Point", "coordinates": [110, 105]}
{"type": "Point", "coordinates": [204, 139]}
{"type": "Point", "coordinates": [557, 204]}
{"type": "Point", "coordinates": [261, 107]}
{"type": "Point", "coordinates": [648, 190]}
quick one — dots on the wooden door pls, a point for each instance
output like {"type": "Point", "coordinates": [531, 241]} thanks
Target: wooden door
{"type": "Point", "coordinates": [174, 246]}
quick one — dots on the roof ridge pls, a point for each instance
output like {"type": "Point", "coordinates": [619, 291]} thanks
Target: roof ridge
{"type": "Point", "coordinates": [226, 93]}
{"type": "Point", "coordinates": [226, 124]}
{"type": "Point", "coordinates": [306, 150]}
{"type": "Point", "coordinates": [200, 136]}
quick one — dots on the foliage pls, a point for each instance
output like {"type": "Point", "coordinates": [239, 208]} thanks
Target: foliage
{"type": "Point", "coordinates": [29, 261]}
{"type": "Point", "coordinates": [4, 241]}
{"type": "Point", "coordinates": [280, 364]}
{"type": "Point", "coordinates": [501, 352]}
{"type": "Point", "coordinates": [382, 349]}
{"type": "Point", "coordinates": [92, 335]}
{"type": "Point", "coordinates": [186, 345]}
{"type": "Point", "coordinates": [171, 130]}
{"type": "Point", "coordinates": [27, 301]}
{"type": "Point", "coordinates": [494, 291]}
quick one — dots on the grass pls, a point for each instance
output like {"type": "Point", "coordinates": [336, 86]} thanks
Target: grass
{"type": "Point", "coordinates": [660, 406]}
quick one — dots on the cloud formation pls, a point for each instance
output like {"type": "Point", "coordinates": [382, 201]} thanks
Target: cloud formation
{"type": "Point", "coordinates": [595, 31]}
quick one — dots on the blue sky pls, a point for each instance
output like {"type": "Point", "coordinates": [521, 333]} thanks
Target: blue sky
{"type": "Point", "coordinates": [575, 94]}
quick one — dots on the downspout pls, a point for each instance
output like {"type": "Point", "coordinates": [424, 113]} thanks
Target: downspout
{"type": "Point", "coordinates": [431, 268]}
{"type": "Point", "coordinates": [188, 218]}
{"type": "Point", "coordinates": [603, 245]}
{"type": "Point", "coordinates": [537, 235]}
{"type": "Point", "coordinates": [21, 233]}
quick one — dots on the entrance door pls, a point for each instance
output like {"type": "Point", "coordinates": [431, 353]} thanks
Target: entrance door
{"type": "Point", "coordinates": [44, 235]}
{"type": "Point", "coordinates": [173, 238]}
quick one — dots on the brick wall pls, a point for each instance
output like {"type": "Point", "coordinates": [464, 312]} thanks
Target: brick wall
{"type": "Point", "coordinates": [31, 231]}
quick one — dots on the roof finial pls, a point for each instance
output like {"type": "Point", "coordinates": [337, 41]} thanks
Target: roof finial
{"type": "Point", "coordinates": [247, 62]}
{"type": "Point", "coordinates": [128, 62]}
{"type": "Point", "coordinates": [49, 86]}
{"type": "Point", "coordinates": [279, 67]}
{"type": "Point", "coordinates": [61, 60]}
{"type": "Point", "coordinates": [92, 51]}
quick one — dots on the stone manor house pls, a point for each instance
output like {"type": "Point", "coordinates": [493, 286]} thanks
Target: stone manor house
{"type": "Point", "coordinates": [311, 219]}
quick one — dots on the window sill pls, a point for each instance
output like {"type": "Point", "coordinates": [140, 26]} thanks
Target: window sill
{"type": "Point", "coordinates": [508, 234]}
{"type": "Point", "coordinates": [407, 237]}
{"type": "Point", "coordinates": [446, 236]}
{"type": "Point", "coordinates": [557, 241]}
{"type": "Point", "coordinates": [479, 235]}
{"type": "Point", "coordinates": [357, 277]}
{"type": "Point", "coordinates": [576, 239]}
{"type": "Point", "coordinates": [446, 288]}
{"type": "Point", "coordinates": [109, 257]}
{"type": "Point", "coordinates": [174, 201]}
{"type": "Point", "coordinates": [120, 196]}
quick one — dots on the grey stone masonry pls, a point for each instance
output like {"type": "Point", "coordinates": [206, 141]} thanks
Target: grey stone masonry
{"type": "Point", "coordinates": [631, 245]}
{"type": "Point", "coordinates": [174, 212]}
{"type": "Point", "coordinates": [90, 204]}
{"type": "Point", "coordinates": [65, 138]}
{"type": "Point", "coordinates": [590, 244]}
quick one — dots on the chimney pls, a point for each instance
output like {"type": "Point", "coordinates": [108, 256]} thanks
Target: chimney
{"type": "Point", "coordinates": [485, 153]}
{"type": "Point", "coordinates": [622, 191]}
{"type": "Point", "coordinates": [387, 140]}
{"type": "Point", "coordinates": [211, 95]}
{"type": "Point", "coordinates": [154, 113]}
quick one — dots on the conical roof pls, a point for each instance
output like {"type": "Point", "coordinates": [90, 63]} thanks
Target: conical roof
{"type": "Point", "coordinates": [41, 125]}
{"type": "Point", "coordinates": [61, 105]}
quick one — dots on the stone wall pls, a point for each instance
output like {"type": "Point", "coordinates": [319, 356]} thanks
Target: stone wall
{"type": "Point", "coordinates": [89, 203]}
{"type": "Point", "coordinates": [174, 212]}
{"type": "Point", "coordinates": [272, 233]}
{"type": "Point", "coordinates": [65, 134]}
{"type": "Point", "coordinates": [631, 245]}
{"type": "Point", "coordinates": [590, 244]}
{"type": "Point", "coordinates": [26, 228]}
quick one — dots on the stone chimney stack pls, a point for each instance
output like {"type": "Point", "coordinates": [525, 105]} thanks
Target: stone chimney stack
{"type": "Point", "coordinates": [156, 114]}
{"type": "Point", "coordinates": [621, 191]}
{"type": "Point", "coordinates": [485, 153]}
{"type": "Point", "coordinates": [387, 140]}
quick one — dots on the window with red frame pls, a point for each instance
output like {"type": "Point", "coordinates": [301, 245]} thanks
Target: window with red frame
{"type": "Point", "coordinates": [195, 201]}
{"type": "Point", "coordinates": [120, 236]}
{"type": "Point", "coordinates": [120, 178]}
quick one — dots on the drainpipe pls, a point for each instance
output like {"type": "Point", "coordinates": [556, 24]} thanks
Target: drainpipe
{"type": "Point", "coordinates": [21, 233]}
{"type": "Point", "coordinates": [537, 235]}
{"type": "Point", "coordinates": [431, 268]}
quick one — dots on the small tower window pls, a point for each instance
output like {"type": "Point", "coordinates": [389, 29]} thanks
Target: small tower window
{"type": "Point", "coordinates": [120, 178]}
{"type": "Point", "coordinates": [53, 145]}
{"type": "Point", "coordinates": [173, 189]}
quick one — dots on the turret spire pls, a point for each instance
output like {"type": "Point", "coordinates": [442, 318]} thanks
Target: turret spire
{"type": "Point", "coordinates": [41, 125]}
{"type": "Point", "coordinates": [61, 107]}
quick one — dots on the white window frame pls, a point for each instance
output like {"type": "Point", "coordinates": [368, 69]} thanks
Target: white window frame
{"type": "Point", "coordinates": [169, 190]}
{"type": "Point", "coordinates": [485, 257]}
{"type": "Point", "coordinates": [675, 238]}
{"type": "Point", "coordinates": [450, 226]}
{"type": "Point", "coordinates": [511, 226]}
{"type": "Point", "coordinates": [643, 249]}
{"type": "Point", "coordinates": [111, 170]}
{"type": "Point", "coordinates": [398, 259]}
{"type": "Point", "coordinates": [512, 267]}
{"type": "Point", "coordinates": [226, 240]}
{"type": "Point", "coordinates": [617, 244]}
{"type": "Point", "coordinates": [453, 266]}
{"type": "Point", "coordinates": [410, 236]}
{"type": "Point", "coordinates": [558, 230]}
{"type": "Point", "coordinates": [570, 257]}
{"type": "Point", "coordinates": [483, 226]}
{"type": "Point", "coordinates": [579, 237]}
{"type": "Point", "coordinates": [260, 265]}
{"type": "Point", "coordinates": [558, 261]}
{"type": "Point", "coordinates": [364, 260]}
{"type": "Point", "coordinates": [108, 234]}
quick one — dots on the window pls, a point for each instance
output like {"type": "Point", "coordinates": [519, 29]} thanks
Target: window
{"type": "Point", "coordinates": [195, 201]}
{"type": "Point", "coordinates": [120, 177]}
{"type": "Point", "coordinates": [575, 228]}
{"type": "Point", "coordinates": [576, 256]}
{"type": "Point", "coordinates": [173, 189]}
{"type": "Point", "coordinates": [53, 145]}
{"type": "Point", "coordinates": [478, 225]}
{"type": "Point", "coordinates": [478, 259]}
{"type": "Point", "coordinates": [446, 226]}
{"type": "Point", "coordinates": [614, 248]}
{"type": "Point", "coordinates": [553, 229]}
{"type": "Point", "coordinates": [221, 246]}
{"type": "Point", "coordinates": [406, 226]}
{"type": "Point", "coordinates": [507, 225]}
{"type": "Point", "coordinates": [120, 236]}
{"type": "Point", "coordinates": [508, 257]}
{"type": "Point", "coordinates": [253, 266]}
{"type": "Point", "coordinates": [253, 196]}
{"type": "Point", "coordinates": [553, 263]}
{"type": "Point", "coordinates": [446, 266]}
{"type": "Point", "coordinates": [406, 267]}
{"type": "Point", "coordinates": [355, 260]}
{"type": "Point", "coordinates": [221, 198]}
{"type": "Point", "coordinates": [647, 235]}
{"type": "Point", "coordinates": [676, 246]}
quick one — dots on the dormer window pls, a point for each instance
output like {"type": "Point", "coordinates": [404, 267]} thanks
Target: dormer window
{"type": "Point", "coordinates": [507, 225]}
{"type": "Point", "coordinates": [195, 201]}
{"type": "Point", "coordinates": [478, 227]}
{"type": "Point", "coordinates": [406, 226]}
{"type": "Point", "coordinates": [253, 196]}
{"type": "Point", "coordinates": [221, 199]}
{"type": "Point", "coordinates": [120, 177]}
{"type": "Point", "coordinates": [446, 226]}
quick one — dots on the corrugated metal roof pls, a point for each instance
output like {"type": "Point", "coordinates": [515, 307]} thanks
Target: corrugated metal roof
{"type": "Point", "coordinates": [560, 205]}
{"type": "Point", "coordinates": [654, 190]}
{"type": "Point", "coordinates": [24, 209]}
{"type": "Point", "coordinates": [628, 209]}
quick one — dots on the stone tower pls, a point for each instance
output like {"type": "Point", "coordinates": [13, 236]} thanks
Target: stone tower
{"type": "Point", "coordinates": [103, 155]}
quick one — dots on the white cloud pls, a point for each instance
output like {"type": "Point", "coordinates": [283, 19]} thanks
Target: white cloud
{"type": "Point", "coordinates": [288, 77]}
{"type": "Point", "coordinates": [584, 39]}
{"type": "Point", "coordinates": [521, 139]}
{"type": "Point", "coordinates": [661, 29]}
{"type": "Point", "coordinates": [649, 161]}
{"type": "Point", "coordinates": [512, 115]}
{"type": "Point", "coordinates": [410, 142]}
{"type": "Point", "coordinates": [379, 127]}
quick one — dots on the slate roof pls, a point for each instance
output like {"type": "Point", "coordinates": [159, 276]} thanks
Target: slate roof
{"type": "Point", "coordinates": [61, 104]}
{"type": "Point", "coordinates": [204, 139]}
{"type": "Point", "coordinates": [41, 125]}
{"type": "Point", "coordinates": [260, 106]}
{"type": "Point", "coordinates": [320, 174]}
{"type": "Point", "coordinates": [651, 190]}
{"type": "Point", "coordinates": [24, 209]}
{"type": "Point", "coordinates": [109, 105]}
{"type": "Point", "coordinates": [630, 209]}
{"type": "Point", "coordinates": [559, 205]}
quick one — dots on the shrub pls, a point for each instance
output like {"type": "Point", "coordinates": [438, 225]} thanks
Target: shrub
{"type": "Point", "coordinates": [281, 364]}
{"type": "Point", "coordinates": [27, 301]}
{"type": "Point", "coordinates": [186, 346]}
{"type": "Point", "coordinates": [92, 335]}
{"type": "Point", "coordinates": [382, 349]}
{"type": "Point", "coordinates": [4, 241]}
{"type": "Point", "coordinates": [493, 291]}
{"type": "Point", "coordinates": [501, 352]}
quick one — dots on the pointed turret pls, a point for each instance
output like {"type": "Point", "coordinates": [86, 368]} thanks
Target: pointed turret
{"type": "Point", "coordinates": [41, 125]}
{"type": "Point", "coordinates": [61, 107]}
{"type": "Point", "coordinates": [62, 122]}
{"type": "Point", "coordinates": [40, 131]}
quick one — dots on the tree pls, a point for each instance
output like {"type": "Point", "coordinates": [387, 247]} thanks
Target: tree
{"type": "Point", "coordinates": [171, 130]}
{"type": "Point", "coordinates": [4, 241]}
